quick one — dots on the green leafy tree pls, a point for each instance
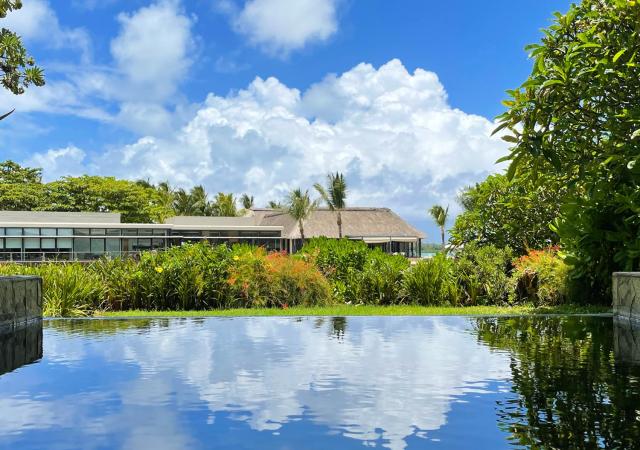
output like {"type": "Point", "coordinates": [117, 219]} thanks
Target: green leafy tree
{"type": "Point", "coordinates": [440, 216]}
{"type": "Point", "coordinates": [578, 116]}
{"type": "Point", "coordinates": [18, 68]}
{"type": "Point", "coordinates": [224, 205]}
{"type": "Point", "coordinates": [503, 213]}
{"type": "Point", "coordinates": [21, 188]}
{"type": "Point", "coordinates": [335, 196]}
{"type": "Point", "coordinates": [300, 206]}
{"type": "Point", "coordinates": [87, 193]}
{"type": "Point", "coordinates": [247, 201]}
{"type": "Point", "coordinates": [275, 205]}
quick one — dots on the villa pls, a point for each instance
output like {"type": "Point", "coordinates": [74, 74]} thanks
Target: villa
{"type": "Point", "coordinates": [31, 236]}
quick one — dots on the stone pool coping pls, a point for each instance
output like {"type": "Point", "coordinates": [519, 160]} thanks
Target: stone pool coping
{"type": "Point", "coordinates": [20, 300]}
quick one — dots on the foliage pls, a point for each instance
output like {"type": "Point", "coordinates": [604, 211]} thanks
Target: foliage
{"type": "Point", "coordinates": [577, 117]}
{"type": "Point", "coordinates": [300, 206]}
{"type": "Point", "coordinates": [18, 68]}
{"type": "Point", "coordinates": [136, 203]}
{"type": "Point", "coordinates": [432, 282]}
{"type": "Point", "coordinates": [247, 201]}
{"type": "Point", "coordinates": [440, 216]}
{"type": "Point", "coordinates": [570, 389]}
{"type": "Point", "coordinates": [380, 281]}
{"type": "Point", "coordinates": [483, 274]}
{"type": "Point", "coordinates": [540, 277]}
{"type": "Point", "coordinates": [503, 213]}
{"type": "Point", "coordinates": [224, 205]}
{"type": "Point", "coordinates": [68, 289]}
{"type": "Point", "coordinates": [334, 195]}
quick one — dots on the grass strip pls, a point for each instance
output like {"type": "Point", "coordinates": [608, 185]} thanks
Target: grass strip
{"type": "Point", "coordinates": [368, 310]}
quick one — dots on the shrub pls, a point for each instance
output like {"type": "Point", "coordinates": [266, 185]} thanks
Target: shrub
{"type": "Point", "coordinates": [540, 277]}
{"type": "Point", "coordinates": [380, 281]}
{"type": "Point", "coordinates": [432, 282]}
{"type": "Point", "coordinates": [275, 280]}
{"type": "Point", "coordinates": [483, 274]}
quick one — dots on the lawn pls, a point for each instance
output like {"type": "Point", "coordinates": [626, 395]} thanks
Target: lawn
{"type": "Point", "coordinates": [349, 310]}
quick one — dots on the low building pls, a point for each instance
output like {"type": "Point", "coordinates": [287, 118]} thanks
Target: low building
{"type": "Point", "coordinates": [37, 236]}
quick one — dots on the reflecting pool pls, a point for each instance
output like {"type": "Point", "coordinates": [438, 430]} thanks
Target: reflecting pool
{"type": "Point", "coordinates": [326, 383]}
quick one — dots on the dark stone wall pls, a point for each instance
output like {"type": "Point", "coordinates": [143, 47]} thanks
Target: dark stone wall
{"type": "Point", "coordinates": [20, 346]}
{"type": "Point", "coordinates": [626, 295]}
{"type": "Point", "coordinates": [20, 300]}
{"type": "Point", "coordinates": [626, 335]}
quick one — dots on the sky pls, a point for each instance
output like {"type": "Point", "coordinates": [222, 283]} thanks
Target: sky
{"type": "Point", "coordinates": [263, 96]}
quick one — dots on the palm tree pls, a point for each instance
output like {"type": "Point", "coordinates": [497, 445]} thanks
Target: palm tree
{"type": "Point", "coordinates": [224, 205]}
{"type": "Point", "coordinates": [440, 216]}
{"type": "Point", "coordinates": [335, 196]}
{"type": "Point", "coordinates": [274, 205]}
{"type": "Point", "coordinates": [247, 201]}
{"type": "Point", "coordinates": [300, 206]}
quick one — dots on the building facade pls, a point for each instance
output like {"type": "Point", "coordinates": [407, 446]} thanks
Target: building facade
{"type": "Point", "coordinates": [63, 236]}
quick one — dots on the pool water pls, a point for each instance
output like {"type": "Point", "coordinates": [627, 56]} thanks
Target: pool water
{"type": "Point", "coordinates": [324, 383]}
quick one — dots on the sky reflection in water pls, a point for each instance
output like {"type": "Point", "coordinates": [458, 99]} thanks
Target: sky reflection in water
{"type": "Point", "coordinates": [281, 383]}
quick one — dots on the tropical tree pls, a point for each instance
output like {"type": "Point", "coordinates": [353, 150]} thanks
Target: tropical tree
{"type": "Point", "coordinates": [440, 216]}
{"type": "Point", "coordinates": [275, 205]}
{"type": "Point", "coordinates": [334, 195]}
{"type": "Point", "coordinates": [300, 206]}
{"type": "Point", "coordinates": [577, 118]}
{"type": "Point", "coordinates": [247, 201]}
{"type": "Point", "coordinates": [224, 205]}
{"type": "Point", "coordinates": [509, 213]}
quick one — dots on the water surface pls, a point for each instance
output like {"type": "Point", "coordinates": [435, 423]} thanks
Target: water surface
{"type": "Point", "coordinates": [321, 383]}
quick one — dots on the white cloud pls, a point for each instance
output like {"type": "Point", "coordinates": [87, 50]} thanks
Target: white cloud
{"type": "Point", "coordinates": [390, 131]}
{"type": "Point", "coordinates": [60, 162]}
{"type": "Point", "coordinates": [36, 21]}
{"type": "Point", "coordinates": [281, 26]}
{"type": "Point", "coordinates": [152, 50]}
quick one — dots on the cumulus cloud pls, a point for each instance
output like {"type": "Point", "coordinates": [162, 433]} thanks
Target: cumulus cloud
{"type": "Point", "coordinates": [60, 162]}
{"type": "Point", "coordinates": [152, 50]}
{"type": "Point", "coordinates": [36, 21]}
{"type": "Point", "coordinates": [281, 26]}
{"type": "Point", "coordinates": [391, 132]}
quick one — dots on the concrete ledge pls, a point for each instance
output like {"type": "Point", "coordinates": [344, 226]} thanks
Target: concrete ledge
{"type": "Point", "coordinates": [626, 295]}
{"type": "Point", "coordinates": [20, 300]}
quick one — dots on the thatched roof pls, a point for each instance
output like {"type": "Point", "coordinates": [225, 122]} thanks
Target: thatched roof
{"type": "Point", "coordinates": [356, 222]}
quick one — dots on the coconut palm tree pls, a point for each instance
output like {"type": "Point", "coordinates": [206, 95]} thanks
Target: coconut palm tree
{"type": "Point", "coordinates": [440, 216]}
{"type": "Point", "coordinates": [274, 205]}
{"type": "Point", "coordinates": [247, 201]}
{"type": "Point", "coordinates": [334, 195]}
{"type": "Point", "coordinates": [225, 205]}
{"type": "Point", "coordinates": [300, 206]}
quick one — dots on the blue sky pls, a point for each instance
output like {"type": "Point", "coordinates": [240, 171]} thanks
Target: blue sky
{"type": "Point", "coordinates": [262, 96]}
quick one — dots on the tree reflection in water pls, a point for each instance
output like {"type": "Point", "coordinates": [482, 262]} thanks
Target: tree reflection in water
{"type": "Point", "coordinates": [571, 391]}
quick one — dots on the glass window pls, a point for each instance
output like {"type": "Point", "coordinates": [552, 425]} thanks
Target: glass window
{"type": "Point", "coordinates": [130, 232]}
{"type": "Point", "coordinates": [1, 231]}
{"type": "Point", "coordinates": [157, 243]}
{"type": "Point", "coordinates": [157, 232]}
{"type": "Point", "coordinates": [48, 243]}
{"type": "Point", "coordinates": [145, 232]}
{"type": "Point", "coordinates": [114, 232]}
{"type": "Point", "coordinates": [97, 246]}
{"type": "Point", "coordinates": [32, 231]}
{"type": "Point", "coordinates": [81, 245]}
{"type": "Point", "coordinates": [31, 243]}
{"type": "Point", "coordinates": [13, 243]}
{"type": "Point", "coordinates": [98, 231]}
{"type": "Point", "coordinates": [1, 243]}
{"type": "Point", "coordinates": [129, 245]}
{"type": "Point", "coordinates": [112, 246]}
{"type": "Point", "coordinates": [81, 232]}
{"type": "Point", "coordinates": [65, 243]}
{"type": "Point", "coordinates": [65, 232]}
{"type": "Point", "coordinates": [247, 233]}
{"type": "Point", "coordinates": [144, 244]}
{"type": "Point", "coordinates": [14, 231]}
{"type": "Point", "coordinates": [47, 231]}
{"type": "Point", "coordinates": [270, 233]}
